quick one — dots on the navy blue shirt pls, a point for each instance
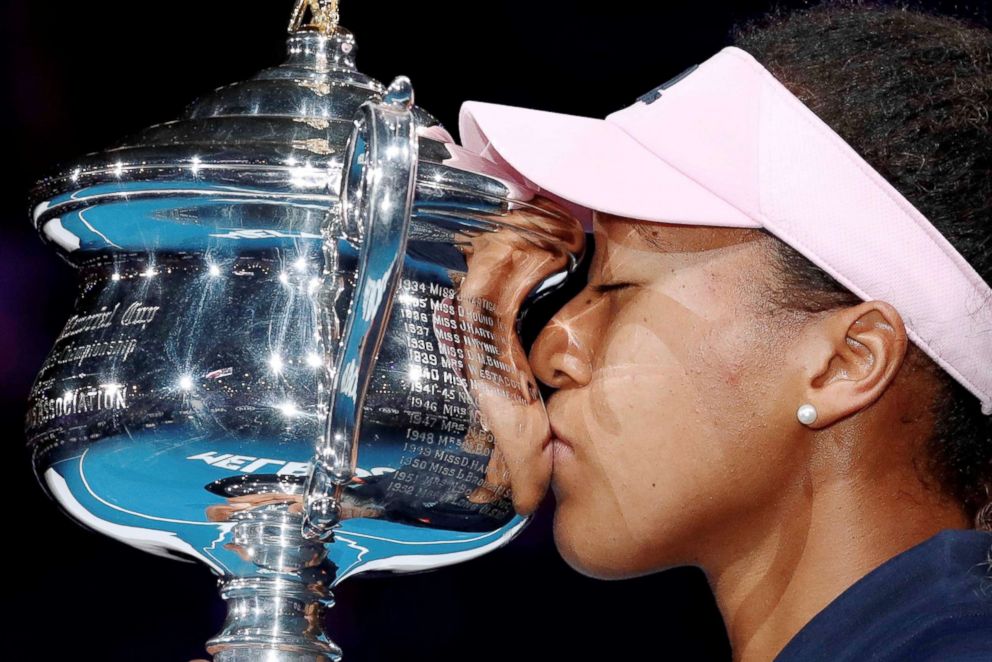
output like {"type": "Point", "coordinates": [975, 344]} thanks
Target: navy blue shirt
{"type": "Point", "coordinates": [931, 603]}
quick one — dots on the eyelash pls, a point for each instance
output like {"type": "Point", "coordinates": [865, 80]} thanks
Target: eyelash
{"type": "Point", "coordinates": [609, 287]}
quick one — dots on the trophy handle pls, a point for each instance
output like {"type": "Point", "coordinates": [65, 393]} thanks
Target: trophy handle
{"type": "Point", "coordinates": [377, 192]}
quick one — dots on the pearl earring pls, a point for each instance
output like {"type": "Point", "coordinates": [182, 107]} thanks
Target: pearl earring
{"type": "Point", "coordinates": [806, 414]}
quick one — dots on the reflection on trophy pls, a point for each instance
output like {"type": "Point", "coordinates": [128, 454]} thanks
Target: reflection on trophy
{"type": "Point", "coordinates": [294, 354]}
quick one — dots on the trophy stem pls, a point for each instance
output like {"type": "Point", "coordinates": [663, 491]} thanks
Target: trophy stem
{"type": "Point", "coordinates": [276, 612]}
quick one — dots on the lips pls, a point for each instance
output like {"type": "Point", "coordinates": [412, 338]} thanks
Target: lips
{"type": "Point", "coordinates": [556, 434]}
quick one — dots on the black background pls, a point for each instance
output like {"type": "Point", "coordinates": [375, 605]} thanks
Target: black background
{"type": "Point", "coordinates": [78, 75]}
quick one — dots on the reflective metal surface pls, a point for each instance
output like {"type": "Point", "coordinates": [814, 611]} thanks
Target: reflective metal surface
{"type": "Point", "coordinates": [205, 361]}
{"type": "Point", "coordinates": [377, 196]}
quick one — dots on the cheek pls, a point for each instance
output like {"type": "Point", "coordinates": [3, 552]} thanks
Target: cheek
{"type": "Point", "coordinates": [658, 354]}
{"type": "Point", "coordinates": [703, 342]}
{"type": "Point", "coordinates": [669, 424]}
{"type": "Point", "coordinates": [644, 418]}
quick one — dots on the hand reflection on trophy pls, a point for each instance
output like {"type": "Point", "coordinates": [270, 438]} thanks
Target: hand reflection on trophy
{"type": "Point", "coordinates": [294, 356]}
{"type": "Point", "coordinates": [503, 268]}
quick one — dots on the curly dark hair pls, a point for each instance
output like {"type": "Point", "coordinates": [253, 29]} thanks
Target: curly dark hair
{"type": "Point", "coordinates": [911, 92]}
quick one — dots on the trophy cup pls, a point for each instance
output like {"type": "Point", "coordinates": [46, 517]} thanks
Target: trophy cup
{"type": "Point", "coordinates": [294, 354]}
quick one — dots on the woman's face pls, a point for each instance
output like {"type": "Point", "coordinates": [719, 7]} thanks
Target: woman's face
{"type": "Point", "coordinates": [669, 379]}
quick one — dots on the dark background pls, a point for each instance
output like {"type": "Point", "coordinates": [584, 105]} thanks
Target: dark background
{"type": "Point", "coordinates": [77, 75]}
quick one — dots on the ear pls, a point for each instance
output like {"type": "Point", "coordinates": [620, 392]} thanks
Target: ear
{"type": "Point", "coordinates": [856, 352]}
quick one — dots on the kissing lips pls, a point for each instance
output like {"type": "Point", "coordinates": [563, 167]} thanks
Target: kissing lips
{"type": "Point", "coordinates": [561, 447]}
{"type": "Point", "coordinates": [557, 436]}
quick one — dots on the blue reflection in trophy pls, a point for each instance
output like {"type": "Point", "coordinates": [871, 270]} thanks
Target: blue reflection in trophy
{"type": "Point", "coordinates": [294, 354]}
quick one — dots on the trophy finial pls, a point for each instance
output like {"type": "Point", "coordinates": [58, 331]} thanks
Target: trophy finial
{"type": "Point", "coordinates": [324, 16]}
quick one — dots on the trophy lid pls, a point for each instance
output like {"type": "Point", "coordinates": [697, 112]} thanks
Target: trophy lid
{"type": "Point", "coordinates": [278, 137]}
{"type": "Point", "coordinates": [300, 111]}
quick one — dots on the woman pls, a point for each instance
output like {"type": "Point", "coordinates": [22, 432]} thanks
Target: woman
{"type": "Point", "coordinates": [781, 368]}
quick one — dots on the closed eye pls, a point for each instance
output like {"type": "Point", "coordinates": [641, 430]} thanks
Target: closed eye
{"type": "Point", "coordinates": [609, 287]}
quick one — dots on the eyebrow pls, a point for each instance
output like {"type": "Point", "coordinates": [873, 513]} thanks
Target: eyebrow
{"type": "Point", "coordinates": [665, 242]}
{"type": "Point", "coordinates": [653, 238]}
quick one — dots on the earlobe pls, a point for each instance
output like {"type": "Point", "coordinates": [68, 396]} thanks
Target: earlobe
{"type": "Point", "coordinates": [862, 350]}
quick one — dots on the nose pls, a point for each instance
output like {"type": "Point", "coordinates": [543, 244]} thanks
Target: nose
{"type": "Point", "coordinates": [561, 355]}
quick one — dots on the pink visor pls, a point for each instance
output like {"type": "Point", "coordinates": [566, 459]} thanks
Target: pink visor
{"type": "Point", "coordinates": [726, 144]}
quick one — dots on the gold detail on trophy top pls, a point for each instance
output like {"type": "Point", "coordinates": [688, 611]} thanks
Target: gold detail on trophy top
{"type": "Point", "coordinates": [315, 145]}
{"type": "Point", "coordinates": [319, 87]}
{"type": "Point", "coordinates": [324, 16]}
{"type": "Point", "coordinates": [315, 122]}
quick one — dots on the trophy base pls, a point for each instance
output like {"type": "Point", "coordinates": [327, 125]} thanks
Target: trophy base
{"type": "Point", "coordinates": [273, 621]}
{"type": "Point", "coordinates": [276, 609]}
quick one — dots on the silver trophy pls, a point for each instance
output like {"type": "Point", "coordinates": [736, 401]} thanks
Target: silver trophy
{"type": "Point", "coordinates": [294, 354]}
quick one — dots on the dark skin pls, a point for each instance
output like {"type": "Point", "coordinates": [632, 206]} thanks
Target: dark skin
{"type": "Point", "coordinates": [678, 391]}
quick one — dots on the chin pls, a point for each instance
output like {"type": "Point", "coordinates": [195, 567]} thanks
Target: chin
{"type": "Point", "coordinates": [590, 555]}
{"type": "Point", "coordinates": [598, 548]}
